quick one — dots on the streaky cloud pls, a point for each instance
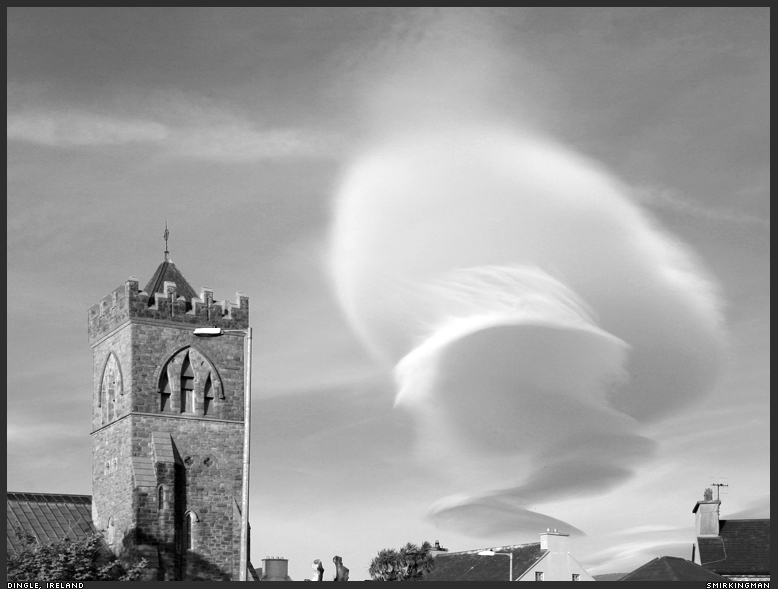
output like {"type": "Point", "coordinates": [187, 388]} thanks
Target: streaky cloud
{"type": "Point", "coordinates": [224, 139]}
{"type": "Point", "coordinates": [70, 129]}
{"type": "Point", "coordinates": [238, 142]}
{"type": "Point", "coordinates": [492, 514]}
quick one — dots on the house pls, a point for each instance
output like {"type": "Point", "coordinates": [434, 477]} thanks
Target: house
{"type": "Point", "coordinates": [738, 549]}
{"type": "Point", "coordinates": [547, 560]}
{"type": "Point", "coordinates": [672, 568]}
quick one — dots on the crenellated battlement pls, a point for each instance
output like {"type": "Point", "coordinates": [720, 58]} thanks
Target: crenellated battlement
{"type": "Point", "coordinates": [128, 302]}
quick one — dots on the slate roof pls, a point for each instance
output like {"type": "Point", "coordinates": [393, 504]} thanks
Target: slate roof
{"type": "Point", "coordinates": [167, 271]}
{"type": "Point", "coordinates": [741, 548]}
{"type": "Point", "coordinates": [470, 566]}
{"type": "Point", "coordinates": [672, 568]}
{"type": "Point", "coordinates": [48, 517]}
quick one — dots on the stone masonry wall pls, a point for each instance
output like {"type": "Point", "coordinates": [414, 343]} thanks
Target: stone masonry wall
{"type": "Point", "coordinates": [142, 351]}
{"type": "Point", "coordinates": [112, 484]}
{"type": "Point", "coordinates": [208, 484]}
{"type": "Point", "coordinates": [154, 345]}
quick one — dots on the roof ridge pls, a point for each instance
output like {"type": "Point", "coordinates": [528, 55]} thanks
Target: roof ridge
{"type": "Point", "coordinates": [48, 494]}
{"type": "Point", "coordinates": [494, 548]}
{"type": "Point", "coordinates": [668, 569]}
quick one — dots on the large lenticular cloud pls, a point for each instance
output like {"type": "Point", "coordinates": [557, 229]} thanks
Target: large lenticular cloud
{"type": "Point", "coordinates": [536, 317]}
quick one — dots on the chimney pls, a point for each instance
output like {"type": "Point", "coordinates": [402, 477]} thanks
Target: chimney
{"type": "Point", "coordinates": [706, 512]}
{"type": "Point", "coordinates": [276, 569]}
{"type": "Point", "coordinates": [437, 549]}
{"type": "Point", "coordinates": [554, 541]}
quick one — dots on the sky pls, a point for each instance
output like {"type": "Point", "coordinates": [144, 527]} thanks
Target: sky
{"type": "Point", "coordinates": [508, 268]}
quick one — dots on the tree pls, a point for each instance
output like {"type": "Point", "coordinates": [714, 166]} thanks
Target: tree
{"type": "Point", "coordinates": [407, 564]}
{"type": "Point", "coordinates": [84, 559]}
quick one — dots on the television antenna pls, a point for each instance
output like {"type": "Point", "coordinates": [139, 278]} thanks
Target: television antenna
{"type": "Point", "coordinates": [718, 487]}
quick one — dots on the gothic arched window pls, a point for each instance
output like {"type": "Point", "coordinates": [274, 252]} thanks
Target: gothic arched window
{"type": "Point", "coordinates": [188, 383]}
{"type": "Point", "coordinates": [187, 387]}
{"type": "Point", "coordinates": [164, 391]}
{"type": "Point", "coordinates": [111, 532]}
{"type": "Point", "coordinates": [208, 396]}
{"type": "Point", "coordinates": [111, 389]}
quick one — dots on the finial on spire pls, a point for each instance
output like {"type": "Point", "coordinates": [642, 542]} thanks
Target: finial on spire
{"type": "Point", "coordinates": [166, 236]}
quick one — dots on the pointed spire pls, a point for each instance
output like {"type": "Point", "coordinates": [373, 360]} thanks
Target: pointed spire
{"type": "Point", "coordinates": [167, 272]}
{"type": "Point", "coordinates": [167, 257]}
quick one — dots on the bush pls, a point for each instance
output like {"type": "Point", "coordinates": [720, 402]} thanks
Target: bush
{"type": "Point", "coordinates": [407, 564]}
{"type": "Point", "coordinates": [84, 559]}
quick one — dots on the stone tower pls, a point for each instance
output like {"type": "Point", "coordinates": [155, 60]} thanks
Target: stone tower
{"type": "Point", "coordinates": [168, 426]}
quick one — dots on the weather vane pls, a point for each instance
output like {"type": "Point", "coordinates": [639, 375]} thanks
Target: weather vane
{"type": "Point", "coordinates": [166, 235]}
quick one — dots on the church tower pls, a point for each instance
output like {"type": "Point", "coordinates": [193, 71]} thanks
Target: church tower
{"type": "Point", "coordinates": [168, 426]}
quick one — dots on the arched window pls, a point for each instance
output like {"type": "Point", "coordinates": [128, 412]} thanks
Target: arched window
{"type": "Point", "coordinates": [160, 498]}
{"type": "Point", "coordinates": [208, 396]}
{"type": "Point", "coordinates": [187, 387]}
{"type": "Point", "coordinates": [111, 532]}
{"type": "Point", "coordinates": [189, 383]}
{"type": "Point", "coordinates": [110, 390]}
{"type": "Point", "coordinates": [164, 391]}
{"type": "Point", "coordinates": [190, 530]}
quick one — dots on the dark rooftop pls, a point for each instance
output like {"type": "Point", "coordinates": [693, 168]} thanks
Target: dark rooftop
{"type": "Point", "coordinates": [470, 566]}
{"type": "Point", "coordinates": [741, 548]}
{"type": "Point", "coordinates": [167, 272]}
{"type": "Point", "coordinates": [48, 517]}
{"type": "Point", "coordinates": [672, 568]}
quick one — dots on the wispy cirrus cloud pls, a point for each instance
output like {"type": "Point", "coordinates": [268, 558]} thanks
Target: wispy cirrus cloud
{"type": "Point", "coordinates": [72, 128]}
{"type": "Point", "coordinates": [213, 136]}
{"type": "Point", "coordinates": [237, 141]}
{"type": "Point", "coordinates": [649, 529]}
{"type": "Point", "coordinates": [678, 203]}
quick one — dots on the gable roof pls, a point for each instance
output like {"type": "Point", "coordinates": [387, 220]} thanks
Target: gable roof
{"type": "Point", "coordinates": [167, 272]}
{"type": "Point", "coordinates": [48, 517]}
{"type": "Point", "coordinates": [741, 548]}
{"type": "Point", "coordinates": [671, 568]}
{"type": "Point", "coordinates": [470, 566]}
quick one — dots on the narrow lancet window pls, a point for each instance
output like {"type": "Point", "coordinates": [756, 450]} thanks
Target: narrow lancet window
{"type": "Point", "coordinates": [164, 392]}
{"type": "Point", "coordinates": [208, 396]}
{"type": "Point", "coordinates": [111, 532]}
{"type": "Point", "coordinates": [190, 530]}
{"type": "Point", "coordinates": [187, 387]}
